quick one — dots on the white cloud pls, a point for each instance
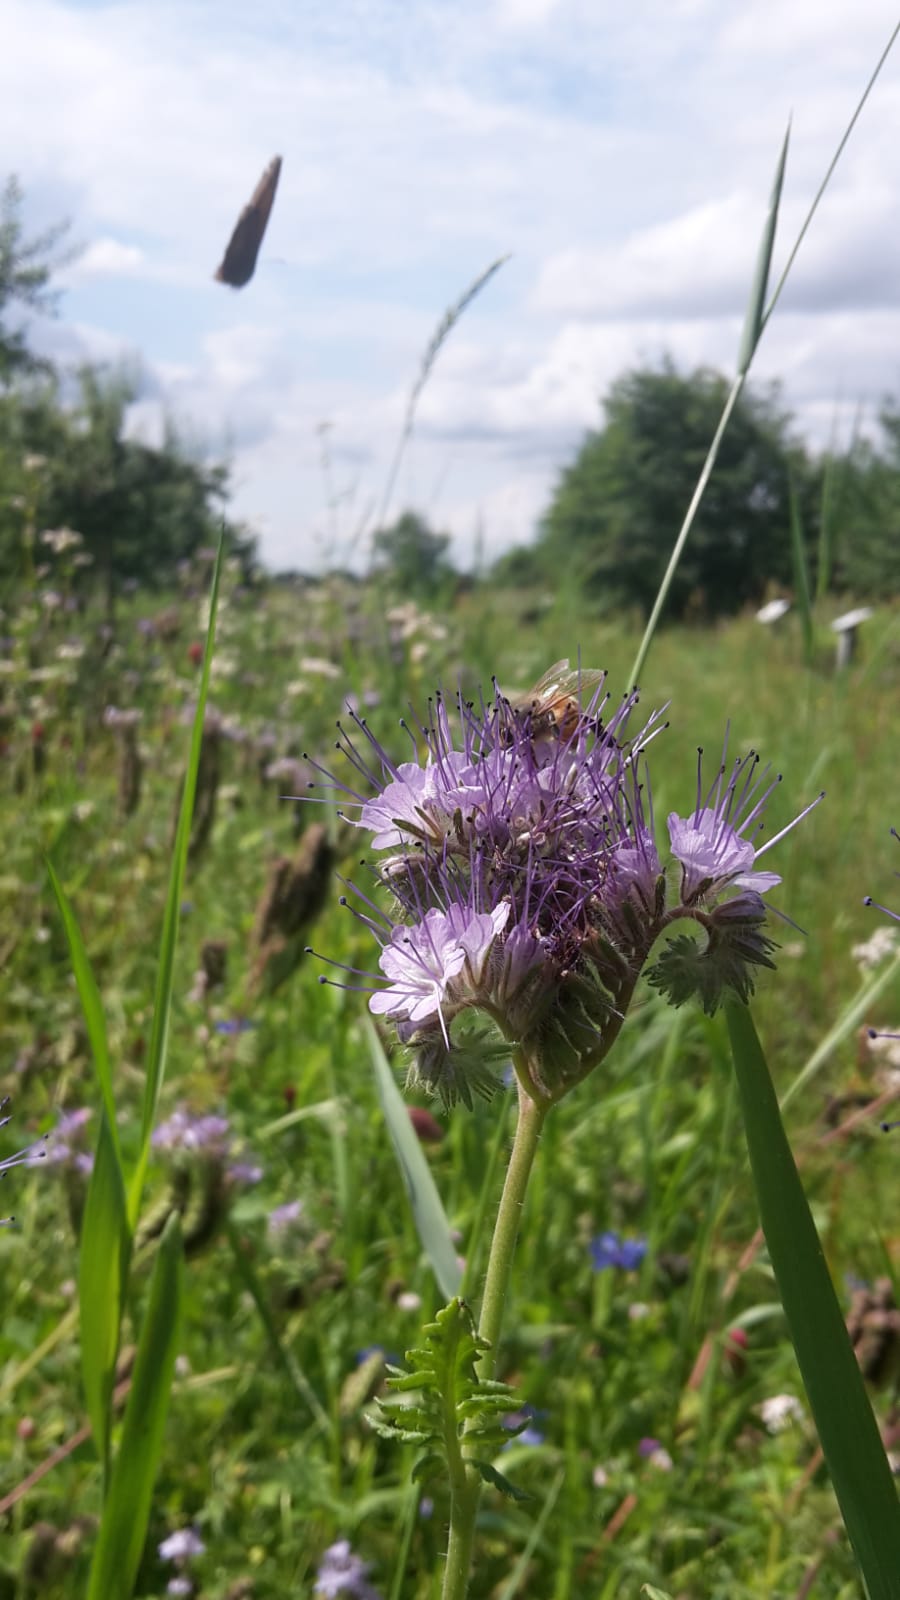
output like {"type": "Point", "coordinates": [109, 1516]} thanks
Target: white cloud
{"type": "Point", "coordinates": [106, 258]}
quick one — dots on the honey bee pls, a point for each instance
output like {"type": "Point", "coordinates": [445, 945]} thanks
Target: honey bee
{"type": "Point", "coordinates": [553, 708]}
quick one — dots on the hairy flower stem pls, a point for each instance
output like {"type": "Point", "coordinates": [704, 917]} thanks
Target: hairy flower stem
{"type": "Point", "coordinates": [465, 1495]}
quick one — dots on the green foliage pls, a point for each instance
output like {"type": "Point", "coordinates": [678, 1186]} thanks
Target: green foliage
{"type": "Point", "coordinates": [865, 508]}
{"type": "Point", "coordinates": [26, 268]}
{"type": "Point", "coordinates": [123, 1527]}
{"type": "Point", "coordinates": [412, 557]}
{"type": "Point", "coordinates": [617, 507]}
{"type": "Point", "coordinates": [424, 1199]}
{"type": "Point", "coordinates": [652, 1148]}
{"type": "Point", "coordinates": [849, 1434]}
{"type": "Point", "coordinates": [449, 1397]}
{"type": "Point", "coordinates": [707, 971]}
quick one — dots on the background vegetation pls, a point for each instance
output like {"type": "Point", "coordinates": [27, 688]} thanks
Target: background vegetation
{"type": "Point", "coordinates": [653, 1449]}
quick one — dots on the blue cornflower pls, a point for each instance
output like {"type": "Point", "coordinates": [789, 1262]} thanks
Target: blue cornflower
{"type": "Point", "coordinates": [608, 1250]}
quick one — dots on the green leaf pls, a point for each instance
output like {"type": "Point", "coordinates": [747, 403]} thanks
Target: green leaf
{"type": "Point", "coordinates": [102, 1273]}
{"type": "Point", "coordinates": [91, 1004]}
{"type": "Point", "coordinates": [654, 1594]}
{"type": "Point", "coordinates": [428, 1212]}
{"type": "Point", "coordinates": [490, 1474]}
{"type": "Point", "coordinates": [165, 971]}
{"type": "Point", "coordinates": [847, 1429]}
{"type": "Point", "coordinates": [123, 1528]}
{"type": "Point", "coordinates": [754, 319]}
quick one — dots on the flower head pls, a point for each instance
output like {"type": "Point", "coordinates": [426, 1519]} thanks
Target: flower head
{"type": "Point", "coordinates": [528, 889]}
{"type": "Point", "coordinates": [343, 1573]}
{"type": "Point", "coordinates": [182, 1545]}
{"type": "Point", "coordinates": [608, 1250]}
{"type": "Point", "coordinates": [28, 1157]}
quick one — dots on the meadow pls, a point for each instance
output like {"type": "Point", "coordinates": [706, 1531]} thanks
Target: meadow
{"type": "Point", "coordinates": [668, 1440]}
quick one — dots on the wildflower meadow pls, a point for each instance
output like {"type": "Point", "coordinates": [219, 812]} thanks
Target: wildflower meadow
{"type": "Point", "coordinates": [446, 1052]}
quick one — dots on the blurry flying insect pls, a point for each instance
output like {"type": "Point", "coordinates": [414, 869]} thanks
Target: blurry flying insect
{"type": "Point", "coordinates": [553, 708]}
{"type": "Point", "coordinates": [239, 261]}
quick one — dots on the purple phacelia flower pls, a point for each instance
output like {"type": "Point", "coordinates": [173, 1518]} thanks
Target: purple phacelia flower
{"type": "Point", "coordinates": [608, 1250]}
{"type": "Point", "coordinates": [182, 1545]}
{"type": "Point", "coordinates": [206, 1135]}
{"type": "Point", "coordinates": [424, 961]}
{"type": "Point", "coordinates": [528, 889]}
{"type": "Point", "coordinates": [280, 1221]}
{"type": "Point", "coordinates": [64, 1147]}
{"type": "Point", "coordinates": [30, 1156]}
{"type": "Point", "coordinates": [343, 1573]}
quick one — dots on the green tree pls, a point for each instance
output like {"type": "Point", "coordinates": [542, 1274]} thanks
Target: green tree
{"type": "Point", "coordinates": [139, 510]}
{"type": "Point", "coordinates": [616, 510]}
{"type": "Point", "coordinates": [413, 556]}
{"type": "Point", "coordinates": [867, 513]}
{"type": "Point", "coordinates": [26, 268]}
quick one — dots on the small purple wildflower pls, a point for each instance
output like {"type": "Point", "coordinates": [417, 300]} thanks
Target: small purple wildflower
{"type": "Point", "coordinates": [280, 1221]}
{"type": "Point", "coordinates": [207, 1140]}
{"type": "Point", "coordinates": [30, 1156]}
{"type": "Point", "coordinates": [206, 1135]}
{"type": "Point", "coordinates": [608, 1250]}
{"type": "Point", "coordinates": [64, 1147]}
{"type": "Point", "coordinates": [343, 1573]}
{"type": "Point", "coordinates": [245, 1172]}
{"type": "Point", "coordinates": [235, 1025]}
{"type": "Point", "coordinates": [528, 889]}
{"type": "Point", "coordinates": [182, 1545]}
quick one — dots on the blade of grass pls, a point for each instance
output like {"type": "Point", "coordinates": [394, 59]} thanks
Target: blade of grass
{"type": "Point", "coordinates": [738, 384]}
{"type": "Point", "coordinates": [431, 1222]}
{"type": "Point", "coordinates": [102, 1274]}
{"type": "Point", "coordinates": [801, 572]}
{"type": "Point", "coordinates": [165, 972]}
{"type": "Point", "coordinates": [846, 1024]}
{"type": "Point", "coordinates": [299, 1383]}
{"type": "Point", "coordinates": [432, 351]}
{"type": "Point", "coordinates": [826, 526]}
{"type": "Point", "coordinates": [123, 1528]}
{"type": "Point", "coordinates": [91, 1005]}
{"type": "Point", "coordinates": [848, 1432]}
{"type": "Point", "coordinates": [519, 1572]}
{"type": "Point", "coordinates": [753, 320]}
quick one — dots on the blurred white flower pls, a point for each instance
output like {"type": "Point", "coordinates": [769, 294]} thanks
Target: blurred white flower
{"type": "Point", "coordinates": [876, 948]}
{"type": "Point", "coordinates": [779, 1411]}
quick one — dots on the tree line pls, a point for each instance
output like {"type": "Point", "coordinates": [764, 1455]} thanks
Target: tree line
{"type": "Point", "coordinates": [66, 460]}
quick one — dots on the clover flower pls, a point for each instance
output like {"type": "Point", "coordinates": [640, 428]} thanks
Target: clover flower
{"type": "Point", "coordinates": [528, 889]}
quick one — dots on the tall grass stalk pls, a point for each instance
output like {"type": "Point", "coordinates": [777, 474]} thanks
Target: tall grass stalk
{"type": "Point", "coordinates": [755, 325]}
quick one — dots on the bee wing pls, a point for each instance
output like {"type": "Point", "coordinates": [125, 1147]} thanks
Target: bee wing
{"type": "Point", "coordinates": [239, 261]}
{"type": "Point", "coordinates": [561, 682]}
{"type": "Point", "coordinates": [551, 685]}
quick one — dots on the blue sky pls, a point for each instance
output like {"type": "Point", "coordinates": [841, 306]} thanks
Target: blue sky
{"type": "Point", "coordinates": [622, 155]}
